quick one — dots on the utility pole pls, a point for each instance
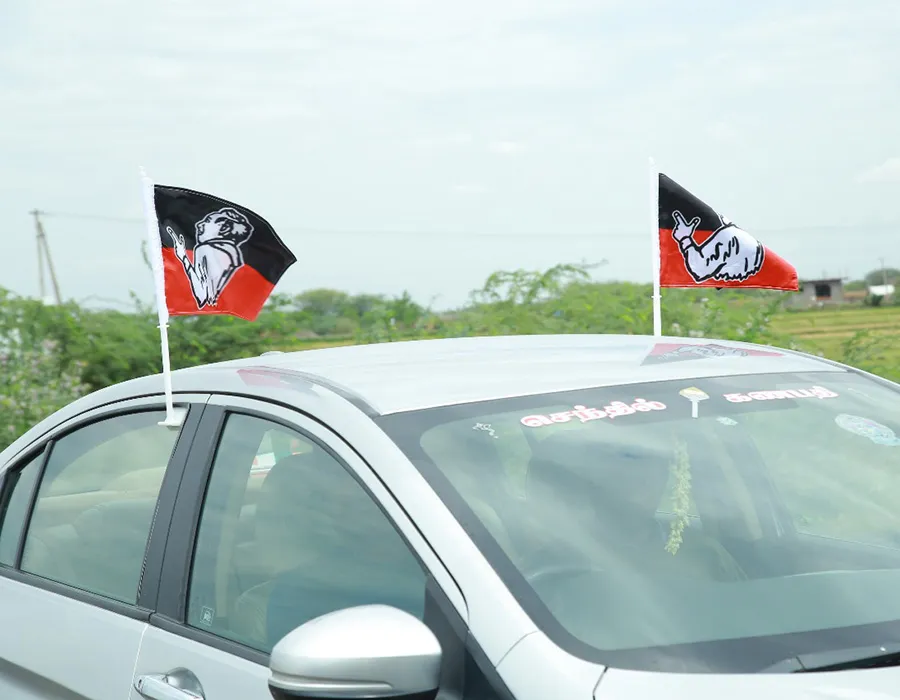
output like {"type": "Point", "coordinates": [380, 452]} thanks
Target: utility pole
{"type": "Point", "coordinates": [43, 250]}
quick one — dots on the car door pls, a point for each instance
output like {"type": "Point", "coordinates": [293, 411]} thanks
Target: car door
{"type": "Point", "coordinates": [78, 563]}
{"type": "Point", "coordinates": [274, 503]}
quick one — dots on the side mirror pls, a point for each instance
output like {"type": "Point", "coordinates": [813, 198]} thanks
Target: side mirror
{"type": "Point", "coordinates": [371, 651]}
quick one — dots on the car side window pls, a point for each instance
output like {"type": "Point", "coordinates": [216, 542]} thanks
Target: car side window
{"type": "Point", "coordinates": [95, 504]}
{"type": "Point", "coordinates": [288, 534]}
{"type": "Point", "coordinates": [18, 485]}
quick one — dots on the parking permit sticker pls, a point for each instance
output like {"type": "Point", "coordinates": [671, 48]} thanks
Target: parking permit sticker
{"type": "Point", "coordinates": [864, 427]}
{"type": "Point", "coordinates": [695, 396]}
{"type": "Point", "coordinates": [207, 615]}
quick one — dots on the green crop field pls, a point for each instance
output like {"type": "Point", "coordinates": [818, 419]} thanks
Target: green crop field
{"type": "Point", "coordinates": [830, 331]}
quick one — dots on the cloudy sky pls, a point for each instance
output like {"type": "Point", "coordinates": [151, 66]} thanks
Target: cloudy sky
{"type": "Point", "coordinates": [408, 144]}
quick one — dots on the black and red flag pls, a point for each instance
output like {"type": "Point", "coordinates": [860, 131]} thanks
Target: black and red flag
{"type": "Point", "coordinates": [218, 257]}
{"type": "Point", "coordinates": [698, 247]}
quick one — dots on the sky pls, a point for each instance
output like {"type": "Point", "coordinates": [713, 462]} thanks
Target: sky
{"type": "Point", "coordinates": [411, 145]}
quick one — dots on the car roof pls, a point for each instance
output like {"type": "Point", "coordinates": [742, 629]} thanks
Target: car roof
{"type": "Point", "coordinates": [393, 377]}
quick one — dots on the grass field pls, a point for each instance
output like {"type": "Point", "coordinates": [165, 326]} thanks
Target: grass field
{"type": "Point", "coordinates": [831, 332]}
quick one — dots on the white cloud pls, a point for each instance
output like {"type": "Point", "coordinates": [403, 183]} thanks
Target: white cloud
{"type": "Point", "coordinates": [888, 171]}
{"type": "Point", "coordinates": [470, 188]}
{"type": "Point", "coordinates": [441, 140]}
{"type": "Point", "coordinates": [506, 148]}
{"type": "Point", "coordinates": [723, 132]}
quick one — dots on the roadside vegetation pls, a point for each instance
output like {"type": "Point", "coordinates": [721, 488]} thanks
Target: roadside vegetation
{"type": "Point", "coordinates": [49, 355]}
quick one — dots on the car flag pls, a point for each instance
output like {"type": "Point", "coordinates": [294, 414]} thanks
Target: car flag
{"type": "Point", "coordinates": [218, 257]}
{"type": "Point", "coordinates": [698, 247]}
{"type": "Point", "coordinates": [209, 256]}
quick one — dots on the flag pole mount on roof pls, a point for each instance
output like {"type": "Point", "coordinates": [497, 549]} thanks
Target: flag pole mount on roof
{"type": "Point", "coordinates": [209, 256]}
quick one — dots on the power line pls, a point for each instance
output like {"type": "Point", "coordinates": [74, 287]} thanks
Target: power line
{"type": "Point", "coordinates": [107, 300]}
{"type": "Point", "coordinates": [92, 217]}
{"type": "Point", "coordinates": [877, 229]}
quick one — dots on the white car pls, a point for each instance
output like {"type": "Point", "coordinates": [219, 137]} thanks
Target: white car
{"type": "Point", "coordinates": [525, 518]}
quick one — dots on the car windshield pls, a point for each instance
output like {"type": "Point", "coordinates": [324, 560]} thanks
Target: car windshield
{"type": "Point", "coordinates": [714, 525]}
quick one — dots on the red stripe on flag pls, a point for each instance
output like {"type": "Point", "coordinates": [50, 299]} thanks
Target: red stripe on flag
{"type": "Point", "coordinates": [243, 296]}
{"type": "Point", "coordinates": [775, 273]}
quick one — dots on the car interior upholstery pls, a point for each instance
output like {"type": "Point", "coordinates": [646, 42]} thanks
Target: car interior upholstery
{"type": "Point", "coordinates": [317, 530]}
{"type": "Point", "coordinates": [95, 541]}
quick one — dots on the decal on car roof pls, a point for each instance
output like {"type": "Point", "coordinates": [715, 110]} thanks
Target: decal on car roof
{"type": "Point", "coordinates": [867, 428]}
{"type": "Point", "coordinates": [679, 352]}
{"type": "Point", "coordinates": [259, 376]}
{"type": "Point", "coordinates": [585, 414]}
{"type": "Point", "coordinates": [816, 392]}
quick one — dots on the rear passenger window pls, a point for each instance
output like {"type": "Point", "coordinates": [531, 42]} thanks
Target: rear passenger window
{"type": "Point", "coordinates": [287, 534]}
{"type": "Point", "coordinates": [95, 505]}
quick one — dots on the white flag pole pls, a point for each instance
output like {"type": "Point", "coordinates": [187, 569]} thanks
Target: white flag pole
{"type": "Point", "coordinates": [162, 311]}
{"type": "Point", "coordinates": [654, 233]}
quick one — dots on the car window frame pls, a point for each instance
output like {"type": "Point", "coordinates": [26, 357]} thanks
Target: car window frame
{"type": "Point", "coordinates": [171, 610]}
{"type": "Point", "coordinates": [28, 457]}
{"type": "Point", "coordinates": [194, 405]}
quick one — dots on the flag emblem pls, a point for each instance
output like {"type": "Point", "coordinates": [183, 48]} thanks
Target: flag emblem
{"type": "Point", "coordinates": [218, 257]}
{"type": "Point", "coordinates": [701, 248]}
{"type": "Point", "coordinates": [662, 353]}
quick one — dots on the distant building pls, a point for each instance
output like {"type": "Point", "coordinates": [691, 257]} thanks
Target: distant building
{"type": "Point", "coordinates": [821, 292]}
{"type": "Point", "coordinates": [881, 290]}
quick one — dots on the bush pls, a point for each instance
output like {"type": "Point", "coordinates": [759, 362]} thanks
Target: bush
{"type": "Point", "coordinates": [32, 386]}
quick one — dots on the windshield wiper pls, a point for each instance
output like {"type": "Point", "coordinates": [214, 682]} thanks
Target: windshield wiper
{"type": "Point", "coordinates": [880, 656]}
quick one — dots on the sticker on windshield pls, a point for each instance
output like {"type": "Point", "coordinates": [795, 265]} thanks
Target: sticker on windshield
{"type": "Point", "coordinates": [725, 420]}
{"type": "Point", "coordinates": [614, 410]}
{"type": "Point", "coordinates": [816, 392]}
{"type": "Point", "coordinates": [695, 396]}
{"type": "Point", "coordinates": [864, 427]}
{"type": "Point", "coordinates": [486, 427]}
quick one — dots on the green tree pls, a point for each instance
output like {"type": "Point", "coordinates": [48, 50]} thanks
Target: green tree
{"type": "Point", "coordinates": [323, 302]}
{"type": "Point", "coordinates": [889, 275]}
{"type": "Point", "coordinates": [37, 372]}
